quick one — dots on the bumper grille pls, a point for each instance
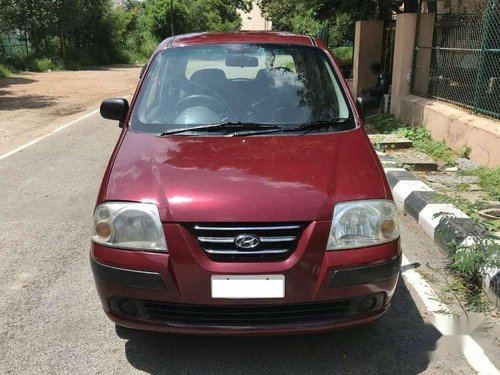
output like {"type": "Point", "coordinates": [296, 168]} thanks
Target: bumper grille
{"type": "Point", "coordinates": [241, 315]}
{"type": "Point", "coordinates": [252, 242]}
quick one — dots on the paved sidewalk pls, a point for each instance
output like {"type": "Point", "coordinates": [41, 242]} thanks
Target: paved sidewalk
{"type": "Point", "coordinates": [441, 221]}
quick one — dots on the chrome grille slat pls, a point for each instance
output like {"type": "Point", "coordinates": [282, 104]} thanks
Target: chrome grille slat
{"type": "Point", "coordinates": [216, 239]}
{"type": "Point", "coordinates": [231, 239]}
{"type": "Point", "coordinates": [239, 252]}
{"type": "Point", "coordinates": [278, 239]}
{"type": "Point", "coordinates": [275, 241]}
{"type": "Point", "coordinates": [286, 227]}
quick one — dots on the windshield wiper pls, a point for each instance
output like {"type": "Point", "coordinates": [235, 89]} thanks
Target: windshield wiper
{"type": "Point", "coordinates": [306, 127]}
{"type": "Point", "coordinates": [228, 125]}
{"type": "Point", "coordinates": [319, 124]}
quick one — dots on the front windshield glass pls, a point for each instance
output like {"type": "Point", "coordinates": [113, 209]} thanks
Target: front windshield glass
{"type": "Point", "coordinates": [279, 85]}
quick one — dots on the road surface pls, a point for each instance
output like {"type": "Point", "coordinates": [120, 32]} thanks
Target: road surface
{"type": "Point", "coordinates": [51, 320]}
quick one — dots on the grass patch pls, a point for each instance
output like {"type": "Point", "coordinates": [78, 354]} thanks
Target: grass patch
{"type": "Point", "coordinates": [473, 296]}
{"type": "Point", "coordinates": [489, 180]}
{"type": "Point", "coordinates": [422, 140]}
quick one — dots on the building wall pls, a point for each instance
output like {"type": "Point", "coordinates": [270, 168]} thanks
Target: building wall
{"type": "Point", "coordinates": [254, 20]}
{"type": "Point", "coordinates": [457, 127]}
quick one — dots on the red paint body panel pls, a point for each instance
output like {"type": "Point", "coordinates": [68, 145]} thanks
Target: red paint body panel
{"type": "Point", "coordinates": [237, 37]}
{"type": "Point", "coordinates": [187, 272]}
{"type": "Point", "coordinates": [277, 178]}
{"type": "Point", "coordinates": [268, 178]}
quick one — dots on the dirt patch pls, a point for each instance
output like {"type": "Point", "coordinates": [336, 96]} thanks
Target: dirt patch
{"type": "Point", "coordinates": [34, 104]}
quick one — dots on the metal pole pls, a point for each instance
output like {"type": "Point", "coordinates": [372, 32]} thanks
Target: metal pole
{"type": "Point", "coordinates": [172, 16]}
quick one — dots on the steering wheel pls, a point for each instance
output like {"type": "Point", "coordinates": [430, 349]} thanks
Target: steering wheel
{"type": "Point", "coordinates": [281, 69]}
{"type": "Point", "coordinates": [218, 105]}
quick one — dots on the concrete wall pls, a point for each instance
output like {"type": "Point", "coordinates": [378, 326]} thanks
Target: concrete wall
{"type": "Point", "coordinates": [456, 127]}
{"type": "Point", "coordinates": [254, 21]}
{"type": "Point", "coordinates": [367, 50]}
{"type": "Point", "coordinates": [406, 25]}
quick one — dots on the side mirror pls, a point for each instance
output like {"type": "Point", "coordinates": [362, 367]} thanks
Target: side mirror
{"type": "Point", "coordinates": [115, 109]}
{"type": "Point", "coordinates": [368, 106]}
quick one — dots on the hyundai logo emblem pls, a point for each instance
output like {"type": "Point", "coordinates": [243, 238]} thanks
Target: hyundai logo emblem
{"type": "Point", "coordinates": [247, 241]}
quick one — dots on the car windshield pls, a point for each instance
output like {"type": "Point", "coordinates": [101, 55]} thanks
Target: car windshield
{"type": "Point", "coordinates": [281, 85]}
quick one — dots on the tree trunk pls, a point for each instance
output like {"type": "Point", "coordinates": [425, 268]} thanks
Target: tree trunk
{"type": "Point", "coordinates": [26, 43]}
{"type": "Point", "coordinates": [62, 49]}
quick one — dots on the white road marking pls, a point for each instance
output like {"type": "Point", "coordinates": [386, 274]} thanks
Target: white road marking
{"type": "Point", "coordinates": [423, 289]}
{"type": "Point", "coordinates": [16, 150]}
{"type": "Point", "coordinates": [472, 351]}
{"type": "Point", "coordinates": [36, 140]}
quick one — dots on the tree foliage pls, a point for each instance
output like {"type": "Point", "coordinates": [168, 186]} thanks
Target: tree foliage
{"type": "Point", "coordinates": [308, 16]}
{"type": "Point", "coordinates": [90, 32]}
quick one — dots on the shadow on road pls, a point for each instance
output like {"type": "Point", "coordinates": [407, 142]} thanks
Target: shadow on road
{"type": "Point", "coordinates": [396, 344]}
{"type": "Point", "coordinates": [26, 102]}
{"type": "Point", "coordinates": [11, 81]}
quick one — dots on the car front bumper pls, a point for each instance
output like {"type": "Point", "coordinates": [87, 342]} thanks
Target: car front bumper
{"type": "Point", "coordinates": [171, 292]}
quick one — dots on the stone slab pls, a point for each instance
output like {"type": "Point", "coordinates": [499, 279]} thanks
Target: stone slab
{"type": "Point", "coordinates": [391, 141]}
{"type": "Point", "coordinates": [415, 160]}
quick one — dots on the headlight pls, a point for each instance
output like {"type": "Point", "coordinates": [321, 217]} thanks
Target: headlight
{"type": "Point", "coordinates": [363, 223]}
{"type": "Point", "coordinates": [129, 226]}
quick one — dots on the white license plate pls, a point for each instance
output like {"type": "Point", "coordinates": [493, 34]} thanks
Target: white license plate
{"type": "Point", "coordinates": [248, 286]}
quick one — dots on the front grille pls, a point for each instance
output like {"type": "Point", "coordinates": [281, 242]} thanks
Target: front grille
{"type": "Point", "coordinates": [272, 241]}
{"type": "Point", "coordinates": [244, 315]}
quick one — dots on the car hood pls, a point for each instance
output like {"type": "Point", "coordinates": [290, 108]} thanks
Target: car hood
{"type": "Point", "coordinates": [245, 179]}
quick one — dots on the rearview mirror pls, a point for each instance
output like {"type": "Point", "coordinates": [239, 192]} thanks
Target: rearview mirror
{"type": "Point", "coordinates": [242, 61]}
{"type": "Point", "coordinates": [368, 106]}
{"type": "Point", "coordinates": [115, 109]}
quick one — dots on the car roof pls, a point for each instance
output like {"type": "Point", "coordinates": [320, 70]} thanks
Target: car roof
{"type": "Point", "coordinates": [238, 37]}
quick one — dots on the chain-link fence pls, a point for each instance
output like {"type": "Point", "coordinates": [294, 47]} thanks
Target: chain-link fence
{"type": "Point", "coordinates": [457, 54]}
{"type": "Point", "coordinates": [12, 45]}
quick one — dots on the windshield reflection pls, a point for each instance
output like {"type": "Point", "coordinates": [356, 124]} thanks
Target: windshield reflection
{"type": "Point", "coordinates": [266, 84]}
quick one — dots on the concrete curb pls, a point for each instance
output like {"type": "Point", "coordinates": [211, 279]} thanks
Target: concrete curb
{"type": "Point", "coordinates": [441, 221]}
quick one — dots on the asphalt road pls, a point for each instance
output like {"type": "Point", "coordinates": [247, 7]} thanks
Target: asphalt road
{"type": "Point", "coordinates": [51, 319]}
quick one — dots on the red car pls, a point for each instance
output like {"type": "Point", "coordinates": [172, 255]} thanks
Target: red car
{"type": "Point", "coordinates": [243, 196]}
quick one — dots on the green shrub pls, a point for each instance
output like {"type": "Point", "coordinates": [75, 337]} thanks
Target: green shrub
{"type": "Point", "coordinates": [43, 64]}
{"type": "Point", "coordinates": [343, 54]}
{"type": "Point", "coordinates": [32, 63]}
{"type": "Point", "coordinates": [383, 124]}
{"type": "Point", "coordinates": [4, 71]}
